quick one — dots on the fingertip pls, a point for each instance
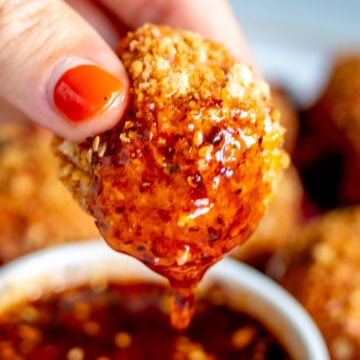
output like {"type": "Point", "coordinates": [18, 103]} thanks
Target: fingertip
{"type": "Point", "coordinates": [35, 70]}
{"type": "Point", "coordinates": [85, 98]}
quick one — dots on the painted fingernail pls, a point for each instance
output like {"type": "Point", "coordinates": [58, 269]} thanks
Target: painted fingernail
{"type": "Point", "coordinates": [85, 91]}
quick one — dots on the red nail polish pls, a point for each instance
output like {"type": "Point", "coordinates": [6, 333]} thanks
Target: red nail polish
{"type": "Point", "coordinates": [85, 91]}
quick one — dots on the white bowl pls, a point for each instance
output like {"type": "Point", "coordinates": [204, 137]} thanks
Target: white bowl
{"type": "Point", "coordinates": [255, 294]}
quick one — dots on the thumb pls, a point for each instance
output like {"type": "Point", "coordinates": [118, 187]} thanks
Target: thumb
{"type": "Point", "coordinates": [58, 70]}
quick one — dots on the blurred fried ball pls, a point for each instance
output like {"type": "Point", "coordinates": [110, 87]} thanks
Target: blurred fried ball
{"type": "Point", "coordinates": [328, 150]}
{"type": "Point", "coordinates": [36, 209]}
{"type": "Point", "coordinates": [289, 115]}
{"type": "Point", "coordinates": [322, 270]}
{"type": "Point", "coordinates": [283, 218]}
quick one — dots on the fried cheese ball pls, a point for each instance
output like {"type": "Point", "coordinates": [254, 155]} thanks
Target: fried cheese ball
{"type": "Point", "coordinates": [187, 173]}
{"type": "Point", "coordinates": [36, 210]}
{"type": "Point", "coordinates": [328, 150]}
{"type": "Point", "coordinates": [323, 272]}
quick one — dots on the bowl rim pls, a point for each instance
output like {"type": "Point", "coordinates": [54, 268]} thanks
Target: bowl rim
{"type": "Point", "coordinates": [256, 293]}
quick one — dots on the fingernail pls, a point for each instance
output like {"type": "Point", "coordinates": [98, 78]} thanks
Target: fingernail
{"type": "Point", "coordinates": [85, 91]}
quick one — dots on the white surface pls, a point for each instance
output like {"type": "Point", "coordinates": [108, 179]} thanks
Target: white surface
{"type": "Point", "coordinates": [320, 17]}
{"type": "Point", "coordinates": [255, 293]}
{"type": "Point", "coordinates": [295, 42]}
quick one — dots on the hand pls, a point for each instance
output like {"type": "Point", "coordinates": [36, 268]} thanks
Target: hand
{"type": "Point", "coordinates": [52, 52]}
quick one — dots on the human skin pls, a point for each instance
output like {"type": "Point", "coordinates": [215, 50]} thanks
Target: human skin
{"type": "Point", "coordinates": [40, 40]}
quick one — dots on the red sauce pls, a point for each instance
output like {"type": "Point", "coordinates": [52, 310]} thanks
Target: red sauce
{"type": "Point", "coordinates": [130, 321]}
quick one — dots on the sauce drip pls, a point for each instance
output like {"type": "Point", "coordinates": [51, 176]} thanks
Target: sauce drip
{"type": "Point", "coordinates": [183, 307]}
{"type": "Point", "coordinates": [185, 176]}
{"type": "Point", "coordinates": [180, 224]}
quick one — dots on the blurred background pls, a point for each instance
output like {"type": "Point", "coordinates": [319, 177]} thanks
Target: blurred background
{"type": "Point", "coordinates": [295, 41]}
{"type": "Point", "coordinates": [329, 22]}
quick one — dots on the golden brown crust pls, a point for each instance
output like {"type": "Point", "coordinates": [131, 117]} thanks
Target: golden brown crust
{"type": "Point", "coordinates": [188, 172]}
{"type": "Point", "coordinates": [36, 210]}
{"type": "Point", "coordinates": [323, 273]}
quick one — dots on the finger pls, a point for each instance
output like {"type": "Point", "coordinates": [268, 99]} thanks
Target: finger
{"type": "Point", "coordinates": [211, 18]}
{"type": "Point", "coordinates": [58, 70]}
{"type": "Point", "coordinates": [110, 28]}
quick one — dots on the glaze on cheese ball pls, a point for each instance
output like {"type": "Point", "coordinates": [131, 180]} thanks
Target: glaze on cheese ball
{"type": "Point", "coordinates": [187, 173]}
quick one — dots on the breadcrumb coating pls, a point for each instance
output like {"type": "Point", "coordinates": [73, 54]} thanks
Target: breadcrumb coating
{"type": "Point", "coordinates": [188, 172]}
{"type": "Point", "coordinates": [289, 115]}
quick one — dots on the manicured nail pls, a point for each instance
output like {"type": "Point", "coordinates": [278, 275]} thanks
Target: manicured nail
{"type": "Point", "coordinates": [85, 91]}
